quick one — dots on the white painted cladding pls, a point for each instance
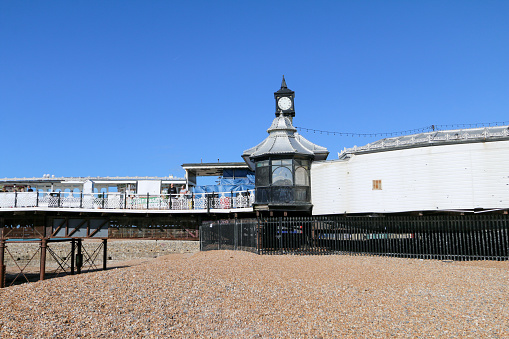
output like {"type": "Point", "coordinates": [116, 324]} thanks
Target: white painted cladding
{"type": "Point", "coordinates": [149, 186]}
{"type": "Point", "coordinates": [447, 177]}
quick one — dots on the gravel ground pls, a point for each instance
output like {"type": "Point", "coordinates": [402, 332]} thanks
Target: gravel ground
{"type": "Point", "coordinates": [225, 294]}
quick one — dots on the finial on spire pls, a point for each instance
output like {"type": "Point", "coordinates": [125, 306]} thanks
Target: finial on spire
{"type": "Point", "coordinates": [283, 83]}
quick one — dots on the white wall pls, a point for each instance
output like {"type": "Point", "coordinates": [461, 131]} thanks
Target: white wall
{"type": "Point", "coordinates": [152, 187]}
{"type": "Point", "coordinates": [88, 187]}
{"type": "Point", "coordinates": [448, 177]}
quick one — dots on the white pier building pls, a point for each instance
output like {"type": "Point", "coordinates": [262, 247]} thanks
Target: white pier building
{"type": "Point", "coordinates": [88, 185]}
{"type": "Point", "coordinates": [125, 194]}
{"type": "Point", "coordinates": [464, 170]}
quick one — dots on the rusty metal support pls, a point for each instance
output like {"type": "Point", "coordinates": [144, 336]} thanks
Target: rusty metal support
{"type": "Point", "coordinates": [2, 266]}
{"type": "Point", "coordinates": [105, 253]}
{"type": "Point", "coordinates": [44, 245]}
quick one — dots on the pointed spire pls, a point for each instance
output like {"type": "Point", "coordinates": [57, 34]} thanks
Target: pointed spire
{"type": "Point", "coordinates": [283, 83]}
{"type": "Point", "coordinates": [284, 89]}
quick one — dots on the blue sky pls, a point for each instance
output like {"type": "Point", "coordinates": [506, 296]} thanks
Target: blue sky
{"type": "Point", "coordinates": [136, 88]}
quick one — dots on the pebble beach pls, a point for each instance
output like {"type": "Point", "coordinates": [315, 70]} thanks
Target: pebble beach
{"type": "Point", "coordinates": [227, 294]}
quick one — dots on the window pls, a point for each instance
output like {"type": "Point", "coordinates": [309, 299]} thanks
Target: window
{"type": "Point", "coordinates": [262, 177]}
{"type": "Point", "coordinates": [301, 177]}
{"type": "Point", "coordinates": [377, 185]}
{"type": "Point", "coordinates": [282, 173]}
{"type": "Point", "coordinates": [302, 163]}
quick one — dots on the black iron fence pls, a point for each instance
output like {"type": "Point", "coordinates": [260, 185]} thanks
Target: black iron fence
{"type": "Point", "coordinates": [445, 237]}
{"type": "Point", "coordinates": [234, 234]}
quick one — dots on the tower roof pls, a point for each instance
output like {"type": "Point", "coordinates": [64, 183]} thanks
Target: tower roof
{"type": "Point", "coordinates": [283, 139]}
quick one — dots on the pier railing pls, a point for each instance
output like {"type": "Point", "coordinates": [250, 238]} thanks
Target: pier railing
{"type": "Point", "coordinates": [114, 200]}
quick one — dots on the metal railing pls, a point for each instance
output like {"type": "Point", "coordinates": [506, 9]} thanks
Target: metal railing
{"type": "Point", "coordinates": [113, 200]}
{"type": "Point", "coordinates": [435, 137]}
{"type": "Point", "coordinates": [443, 237]}
{"type": "Point", "coordinates": [284, 195]}
{"type": "Point", "coordinates": [233, 234]}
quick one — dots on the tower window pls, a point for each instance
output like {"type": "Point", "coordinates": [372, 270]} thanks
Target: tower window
{"type": "Point", "coordinates": [262, 177]}
{"type": "Point", "coordinates": [282, 172]}
{"type": "Point", "coordinates": [377, 185]}
{"type": "Point", "coordinates": [301, 172]}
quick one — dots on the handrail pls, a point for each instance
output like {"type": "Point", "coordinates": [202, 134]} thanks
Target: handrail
{"type": "Point", "coordinates": [116, 200]}
{"type": "Point", "coordinates": [430, 138]}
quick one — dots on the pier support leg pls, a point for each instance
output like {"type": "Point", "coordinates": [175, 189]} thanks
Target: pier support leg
{"type": "Point", "coordinates": [79, 258]}
{"type": "Point", "coordinates": [105, 253]}
{"type": "Point", "coordinates": [2, 266]}
{"type": "Point", "coordinates": [44, 244]}
{"type": "Point", "coordinates": [73, 251]}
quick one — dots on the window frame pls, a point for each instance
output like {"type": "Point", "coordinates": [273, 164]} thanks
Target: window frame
{"type": "Point", "coordinates": [293, 164]}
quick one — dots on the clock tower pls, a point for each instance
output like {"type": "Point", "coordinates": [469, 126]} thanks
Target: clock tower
{"type": "Point", "coordinates": [282, 162]}
{"type": "Point", "coordinates": [284, 101]}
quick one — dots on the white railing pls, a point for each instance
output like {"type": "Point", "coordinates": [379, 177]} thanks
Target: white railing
{"type": "Point", "coordinates": [431, 138]}
{"type": "Point", "coordinates": [200, 201]}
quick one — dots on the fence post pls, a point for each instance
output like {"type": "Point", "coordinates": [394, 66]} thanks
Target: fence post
{"type": "Point", "coordinates": [73, 250]}
{"type": "Point", "coordinates": [79, 258]}
{"type": "Point", "coordinates": [280, 226]}
{"type": "Point", "coordinates": [43, 259]}
{"type": "Point", "coordinates": [105, 253]}
{"type": "Point", "coordinates": [2, 266]}
{"type": "Point", "coordinates": [258, 233]}
{"type": "Point", "coordinates": [235, 235]}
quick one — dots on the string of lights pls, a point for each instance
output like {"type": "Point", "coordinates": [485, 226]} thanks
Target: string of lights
{"type": "Point", "coordinates": [429, 128]}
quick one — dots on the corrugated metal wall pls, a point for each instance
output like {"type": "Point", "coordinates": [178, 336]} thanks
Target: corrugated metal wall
{"type": "Point", "coordinates": [447, 177]}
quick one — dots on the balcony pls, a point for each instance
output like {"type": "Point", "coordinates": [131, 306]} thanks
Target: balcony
{"type": "Point", "coordinates": [122, 201]}
{"type": "Point", "coordinates": [283, 195]}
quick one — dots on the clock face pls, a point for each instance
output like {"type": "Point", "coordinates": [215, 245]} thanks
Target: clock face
{"type": "Point", "coordinates": [284, 103]}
